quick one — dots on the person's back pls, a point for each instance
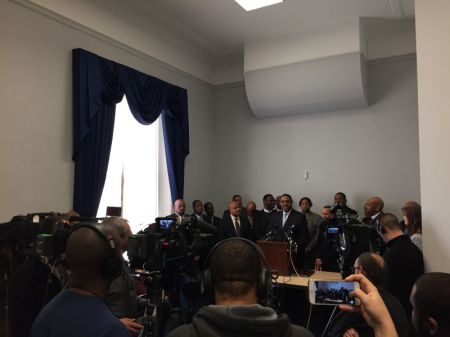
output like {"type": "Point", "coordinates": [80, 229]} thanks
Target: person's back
{"type": "Point", "coordinates": [71, 314]}
{"type": "Point", "coordinates": [404, 260]}
{"type": "Point", "coordinates": [237, 283]}
{"type": "Point", "coordinates": [94, 258]}
{"type": "Point", "coordinates": [240, 320]}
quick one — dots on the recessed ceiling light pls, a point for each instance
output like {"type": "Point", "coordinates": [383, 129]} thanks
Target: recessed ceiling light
{"type": "Point", "coordinates": [250, 5]}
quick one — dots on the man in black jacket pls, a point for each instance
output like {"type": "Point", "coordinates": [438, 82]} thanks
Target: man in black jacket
{"type": "Point", "coordinates": [269, 205]}
{"type": "Point", "coordinates": [197, 207]}
{"type": "Point", "coordinates": [233, 223]}
{"type": "Point", "coordinates": [235, 280]}
{"type": "Point", "coordinates": [259, 223]}
{"type": "Point", "coordinates": [403, 259]}
{"type": "Point", "coordinates": [373, 210]}
{"type": "Point", "coordinates": [291, 225]}
{"type": "Point", "coordinates": [209, 216]}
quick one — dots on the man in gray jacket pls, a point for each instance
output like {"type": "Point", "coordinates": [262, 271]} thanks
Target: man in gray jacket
{"type": "Point", "coordinates": [236, 281]}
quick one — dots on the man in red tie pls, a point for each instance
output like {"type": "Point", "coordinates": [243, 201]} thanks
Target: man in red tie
{"type": "Point", "coordinates": [233, 224]}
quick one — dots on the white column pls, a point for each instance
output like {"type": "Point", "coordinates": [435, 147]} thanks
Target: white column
{"type": "Point", "coordinates": [433, 70]}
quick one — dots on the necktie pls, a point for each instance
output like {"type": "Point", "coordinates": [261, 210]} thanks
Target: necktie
{"type": "Point", "coordinates": [237, 226]}
{"type": "Point", "coordinates": [250, 220]}
{"type": "Point", "coordinates": [285, 216]}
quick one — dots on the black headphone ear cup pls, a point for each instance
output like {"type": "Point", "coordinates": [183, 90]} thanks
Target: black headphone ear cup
{"type": "Point", "coordinates": [264, 284]}
{"type": "Point", "coordinates": [206, 286]}
{"type": "Point", "coordinates": [112, 266]}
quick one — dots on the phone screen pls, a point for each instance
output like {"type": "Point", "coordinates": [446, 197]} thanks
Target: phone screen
{"type": "Point", "coordinates": [332, 292]}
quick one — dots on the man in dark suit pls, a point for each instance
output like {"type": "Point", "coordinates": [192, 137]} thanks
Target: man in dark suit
{"type": "Point", "coordinates": [234, 224]}
{"type": "Point", "coordinates": [340, 207]}
{"type": "Point", "coordinates": [197, 206]}
{"type": "Point", "coordinates": [259, 223]}
{"type": "Point", "coordinates": [209, 216]}
{"type": "Point", "coordinates": [291, 225]}
{"type": "Point", "coordinates": [269, 206]}
{"type": "Point", "coordinates": [179, 209]}
{"type": "Point", "coordinates": [373, 209]}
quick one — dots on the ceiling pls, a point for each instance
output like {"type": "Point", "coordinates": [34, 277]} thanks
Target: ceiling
{"type": "Point", "coordinates": [222, 27]}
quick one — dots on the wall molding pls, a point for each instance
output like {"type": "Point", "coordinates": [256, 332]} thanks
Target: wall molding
{"type": "Point", "coordinates": [149, 58]}
{"type": "Point", "coordinates": [107, 39]}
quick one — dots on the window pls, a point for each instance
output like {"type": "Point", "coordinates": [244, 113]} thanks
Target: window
{"type": "Point", "coordinates": [137, 174]}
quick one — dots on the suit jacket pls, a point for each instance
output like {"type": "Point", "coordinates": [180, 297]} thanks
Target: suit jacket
{"type": "Point", "coordinates": [202, 216]}
{"type": "Point", "coordinates": [261, 225]}
{"type": "Point", "coordinates": [372, 222]}
{"type": "Point", "coordinates": [214, 220]}
{"type": "Point", "coordinates": [227, 230]}
{"type": "Point", "coordinates": [296, 223]}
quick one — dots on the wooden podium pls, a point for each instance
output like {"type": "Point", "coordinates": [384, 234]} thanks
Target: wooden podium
{"type": "Point", "coordinates": [277, 255]}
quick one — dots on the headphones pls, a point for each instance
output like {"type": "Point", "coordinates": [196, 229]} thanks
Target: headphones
{"type": "Point", "coordinates": [111, 265]}
{"type": "Point", "coordinates": [264, 281]}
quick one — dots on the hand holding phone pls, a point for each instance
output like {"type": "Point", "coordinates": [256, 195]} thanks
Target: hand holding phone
{"type": "Point", "coordinates": [372, 307]}
{"type": "Point", "coordinates": [322, 292]}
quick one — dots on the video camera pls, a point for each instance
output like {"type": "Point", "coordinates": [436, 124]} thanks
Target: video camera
{"type": "Point", "coordinates": [350, 238]}
{"type": "Point", "coordinates": [170, 242]}
{"type": "Point", "coordinates": [169, 252]}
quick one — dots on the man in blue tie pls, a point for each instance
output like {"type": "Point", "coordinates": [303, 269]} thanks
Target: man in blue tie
{"type": "Point", "coordinates": [292, 226]}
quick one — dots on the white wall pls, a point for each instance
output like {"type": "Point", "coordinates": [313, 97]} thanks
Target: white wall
{"type": "Point", "coordinates": [372, 151]}
{"type": "Point", "coordinates": [36, 171]}
{"type": "Point", "coordinates": [433, 66]}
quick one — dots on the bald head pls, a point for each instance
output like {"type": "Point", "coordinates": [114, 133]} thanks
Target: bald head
{"type": "Point", "coordinates": [373, 206]}
{"type": "Point", "coordinates": [86, 249]}
{"type": "Point", "coordinates": [179, 207]}
{"type": "Point", "coordinates": [373, 267]}
{"type": "Point", "coordinates": [235, 208]}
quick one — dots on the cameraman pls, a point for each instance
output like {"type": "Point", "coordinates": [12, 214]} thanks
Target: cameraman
{"type": "Point", "coordinates": [37, 280]}
{"type": "Point", "coordinates": [235, 278]}
{"type": "Point", "coordinates": [327, 243]}
{"type": "Point", "coordinates": [121, 296]}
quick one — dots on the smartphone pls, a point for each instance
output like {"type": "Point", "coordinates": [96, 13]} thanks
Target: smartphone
{"type": "Point", "coordinates": [323, 292]}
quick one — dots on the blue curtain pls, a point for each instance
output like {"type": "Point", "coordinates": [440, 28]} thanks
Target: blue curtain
{"type": "Point", "coordinates": [98, 85]}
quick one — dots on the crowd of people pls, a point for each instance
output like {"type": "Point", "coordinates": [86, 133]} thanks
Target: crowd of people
{"type": "Point", "coordinates": [99, 299]}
